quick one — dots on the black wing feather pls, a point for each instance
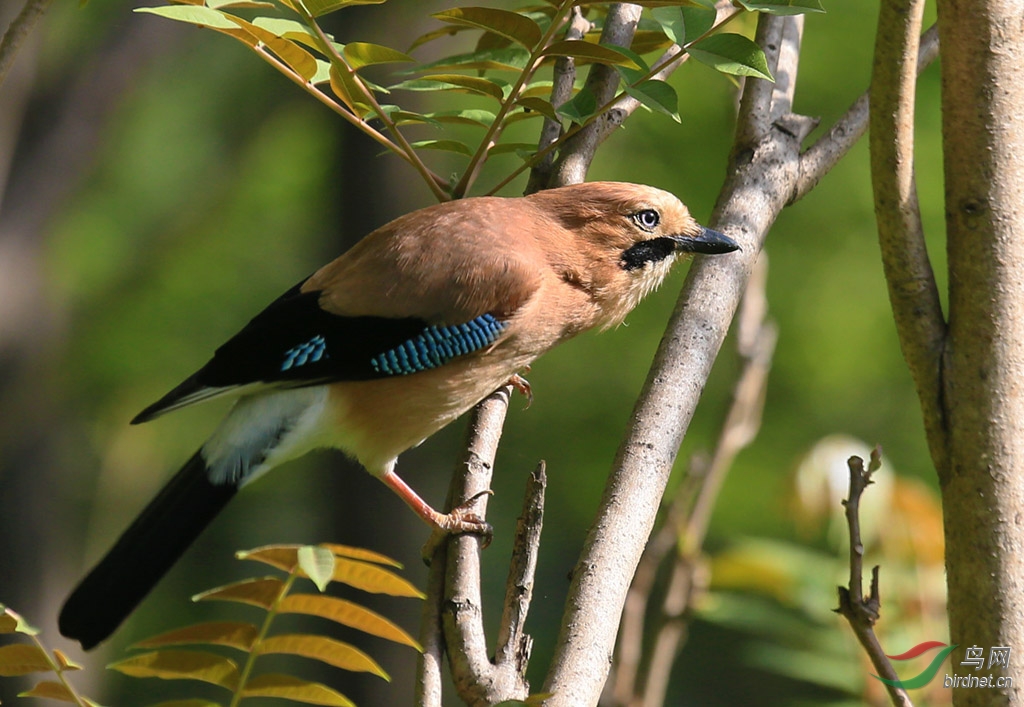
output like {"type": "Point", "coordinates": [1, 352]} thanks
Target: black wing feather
{"type": "Point", "coordinates": [294, 342]}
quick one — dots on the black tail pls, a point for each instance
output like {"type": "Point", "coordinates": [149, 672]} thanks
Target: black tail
{"type": "Point", "coordinates": [150, 546]}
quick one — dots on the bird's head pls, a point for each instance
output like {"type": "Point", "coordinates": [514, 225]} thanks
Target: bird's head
{"type": "Point", "coordinates": [624, 240]}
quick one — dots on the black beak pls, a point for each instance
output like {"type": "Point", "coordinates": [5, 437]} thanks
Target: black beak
{"type": "Point", "coordinates": [707, 242]}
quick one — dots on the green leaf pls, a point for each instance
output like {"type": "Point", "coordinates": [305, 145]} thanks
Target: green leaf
{"type": "Point", "coordinates": [296, 690]}
{"type": "Point", "coordinates": [500, 59]}
{"type": "Point", "coordinates": [658, 96]}
{"type": "Point", "coordinates": [633, 75]}
{"type": "Point", "coordinates": [588, 51]}
{"type": "Point", "coordinates": [360, 54]}
{"type": "Point", "coordinates": [297, 58]}
{"type": "Point", "coordinates": [580, 107]}
{"type": "Point", "coordinates": [22, 659]}
{"type": "Point", "coordinates": [698, 21]}
{"type": "Point", "coordinates": [326, 650]}
{"type": "Point", "coordinates": [445, 145]}
{"type": "Point", "coordinates": [318, 564]}
{"type": "Point", "coordinates": [194, 14]}
{"type": "Point", "coordinates": [403, 117]}
{"type": "Point", "coordinates": [454, 82]}
{"type": "Point", "coordinates": [289, 29]}
{"type": "Point", "coordinates": [783, 7]}
{"type": "Point", "coordinates": [672, 22]}
{"type": "Point", "coordinates": [539, 89]}
{"type": "Point", "coordinates": [181, 665]}
{"type": "Point", "coordinates": [437, 34]}
{"type": "Point", "coordinates": [243, 4]}
{"type": "Point", "coordinates": [538, 105]}
{"type": "Point", "coordinates": [322, 7]}
{"type": "Point", "coordinates": [508, 24]}
{"type": "Point", "coordinates": [470, 116]}
{"type": "Point", "coordinates": [525, 150]}
{"type": "Point", "coordinates": [732, 54]}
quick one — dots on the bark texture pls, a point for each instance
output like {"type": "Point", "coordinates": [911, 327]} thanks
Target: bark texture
{"type": "Point", "coordinates": [983, 363]}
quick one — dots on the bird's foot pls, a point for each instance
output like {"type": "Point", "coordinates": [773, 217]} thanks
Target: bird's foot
{"type": "Point", "coordinates": [523, 386]}
{"type": "Point", "coordinates": [459, 521]}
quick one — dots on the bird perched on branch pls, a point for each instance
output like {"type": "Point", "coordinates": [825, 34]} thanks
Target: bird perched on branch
{"type": "Point", "coordinates": [384, 346]}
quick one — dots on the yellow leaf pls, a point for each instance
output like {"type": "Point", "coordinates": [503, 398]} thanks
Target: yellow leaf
{"type": "Point", "coordinates": [327, 650]}
{"type": "Point", "coordinates": [358, 553]}
{"type": "Point", "coordinates": [65, 662]}
{"type": "Point", "coordinates": [297, 58]}
{"type": "Point", "coordinates": [371, 578]}
{"type": "Point", "coordinates": [508, 24]}
{"type": "Point", "coordinates": [22, 659]}
{"type": "Point", "coordinates": [312, 693]}
{"type": "Point", "coordinates": [181, 665]}
{"type": "Point", "coordinates": [51, 691]}
{"type": "Point", "coordinates": [11, 621]}
{"type": "Point", "coordinates": [261, 592]}
{"type": "Point", "coordinates": [234, 634]}
{"type": "Point", "coordinates": [346, 613]}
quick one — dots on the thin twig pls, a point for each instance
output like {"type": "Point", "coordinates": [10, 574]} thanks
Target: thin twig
{"type": "Point", "coordinates": [19, 29]}
{"type": "Point", "coordinates": [563, 80]}
{"type": "Point", "coordinates": [497, 124]}
{"type": "Point", "coordinates": [436, 184]}
{"type": "Point", "coordinates": [862, 612]}
{"type": "Point", "coordinates": [612, 114]}
{"type": "Point", "coordinates": [578, 150]}
{"type": "Point", "coordinates": [514, 644]}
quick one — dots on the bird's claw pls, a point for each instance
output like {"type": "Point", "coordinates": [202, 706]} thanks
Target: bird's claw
{"type": "Point", "coordinates": [523, 386]}
{"type": "Point", "coordinates": [459, 521]}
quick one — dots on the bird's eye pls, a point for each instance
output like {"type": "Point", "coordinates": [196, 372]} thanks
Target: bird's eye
{"type": "Point", "coordinates": [647, 219]}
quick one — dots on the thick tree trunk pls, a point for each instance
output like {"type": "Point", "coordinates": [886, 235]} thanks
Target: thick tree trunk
{"type": "Point", "coordinates": [983, 481]}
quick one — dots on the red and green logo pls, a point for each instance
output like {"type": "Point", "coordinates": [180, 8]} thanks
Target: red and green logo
{"type": "Point", "coordinates": [928, 673]}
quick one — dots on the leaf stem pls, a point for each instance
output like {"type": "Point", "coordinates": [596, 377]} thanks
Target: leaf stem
{"type": "Point", "coordinates": [58, 670]}
{"type": "Point", "coordinates": [250, 660]}
{"type": "Point", "coordinates": [433, 181]}
{"type": "Point", "coordinates": [667, 60]}
{"type": "Point", "coordinates": [494, 130]}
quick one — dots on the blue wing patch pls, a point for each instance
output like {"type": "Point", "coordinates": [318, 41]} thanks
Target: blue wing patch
{"type": "Point", "coordinates": [437, 345]}
{"type": "Point", "coordinates": [309, 352]}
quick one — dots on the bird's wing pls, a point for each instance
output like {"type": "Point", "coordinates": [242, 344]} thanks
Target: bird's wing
{"type": "Point", "coordinates": [299, 341]}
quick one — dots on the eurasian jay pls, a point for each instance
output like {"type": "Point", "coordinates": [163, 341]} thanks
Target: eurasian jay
{"type": "Point", "coordinates": [384, 346]}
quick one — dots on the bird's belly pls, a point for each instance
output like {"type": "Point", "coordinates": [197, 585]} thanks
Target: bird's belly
{"type": "Point", "coordinates": [377, 420]}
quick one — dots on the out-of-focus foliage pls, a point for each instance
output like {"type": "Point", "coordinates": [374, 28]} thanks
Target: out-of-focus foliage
{"type": "Point", "coordinates": [214, 186]}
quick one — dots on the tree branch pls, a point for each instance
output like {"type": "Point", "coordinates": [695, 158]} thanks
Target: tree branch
{"type": "Point", "coordinates": [603, 81]}
{"type": "Point", "coordinates": [913, 294]}
{"type": "Point", "coordinates": [861, 612]}
{"type": "Point", "coordinates": [20, 27]}
{"type": "Point", "coordinates": [762, 174]}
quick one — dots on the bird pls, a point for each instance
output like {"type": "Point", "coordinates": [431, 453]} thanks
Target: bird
{"type": "Point", "coordinates": [390, 342]}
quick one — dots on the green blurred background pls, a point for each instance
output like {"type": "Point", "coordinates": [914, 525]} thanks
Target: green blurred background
{"type": "Point", "coordinates": [163, 185]}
